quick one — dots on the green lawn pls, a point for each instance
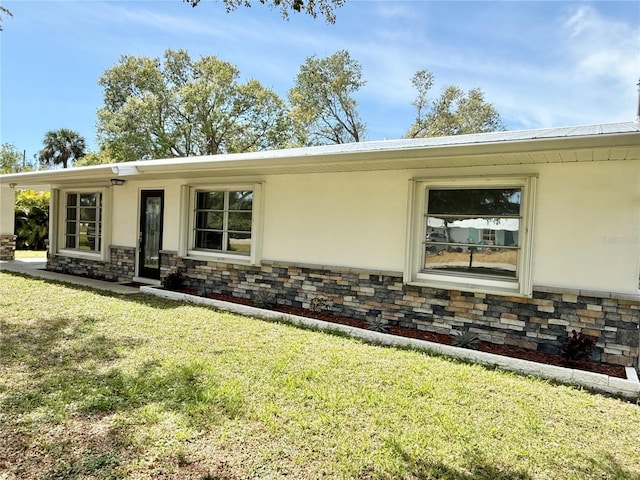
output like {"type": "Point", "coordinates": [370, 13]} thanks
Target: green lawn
{"type": "Point", "coordinates": [31, 254]}
{"type": "Point", "coordinates": [105, 387]}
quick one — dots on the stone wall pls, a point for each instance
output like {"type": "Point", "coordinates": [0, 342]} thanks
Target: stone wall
{"type": "Point", "coordinates": [7, 247]}
{"type": "Point", "coordinates": [120, 267]}
{"type": "Point", "coordinates": [541, 323]}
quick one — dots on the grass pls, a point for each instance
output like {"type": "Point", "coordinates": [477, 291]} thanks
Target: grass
{"type": "Point", "coordinates": [94, 385]}
{"type": "Point", "coordinates": [31, 254]}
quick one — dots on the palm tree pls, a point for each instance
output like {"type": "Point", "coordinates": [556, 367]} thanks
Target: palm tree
{"type": "Point", "coordinates": [62, 146]}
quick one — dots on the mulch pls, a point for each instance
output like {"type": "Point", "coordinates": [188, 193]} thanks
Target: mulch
{"type": "Point", "coordinates": [505, 350]}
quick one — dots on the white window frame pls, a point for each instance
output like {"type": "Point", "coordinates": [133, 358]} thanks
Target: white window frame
{"type": "Point", "coordinates": [187, 240]}
{"type": "Point", "coordinates": [59, 198]}
{"type": "Point", "coordinates": [416, 274]}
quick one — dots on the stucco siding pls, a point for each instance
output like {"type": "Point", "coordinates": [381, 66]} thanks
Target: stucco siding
{"type": "Point", "coordinates": [587, 226]}
{"type": "Point", "coordinates": [341, 219]}
{"type": "Point", "coordinates": [586, 221]}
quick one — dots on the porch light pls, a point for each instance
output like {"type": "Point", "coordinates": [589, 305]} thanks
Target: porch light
{"type": "Point", "coordinates": [117, 181]}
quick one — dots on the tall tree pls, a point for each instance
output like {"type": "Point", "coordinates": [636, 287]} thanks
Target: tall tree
{"type": "Point", "coordinates": [311, 7]}
{"type": "Point", "coordinates": [61, 147]}
{"type": "Point", "coordinates": [11, 160]}
{"type": "Point", "coordinates": [453, 112]}
{"type": "Point", "coordinates": [4, 11]}
{"type": "Point", "coordinates": [323, 106]}
{"type": "Point", "coordinates": [183, 107]}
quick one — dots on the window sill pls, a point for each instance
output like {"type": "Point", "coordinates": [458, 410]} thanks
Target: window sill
{"type": "Point", "coordinates": [474, 285]}
{"type": "Point", "coordinates": [98, 256]}
{"type": "Point", "coordinates": [218, 257]}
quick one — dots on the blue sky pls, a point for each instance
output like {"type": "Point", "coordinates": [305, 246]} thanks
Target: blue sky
{"type": "Point", "coordinates": [542, 64]}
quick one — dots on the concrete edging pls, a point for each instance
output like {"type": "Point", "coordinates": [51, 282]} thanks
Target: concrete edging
{"type": "Point", "coordinates": [629, 387]}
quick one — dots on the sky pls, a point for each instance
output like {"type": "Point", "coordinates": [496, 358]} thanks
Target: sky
{"type": "Point", "coordinates": [542, 64]}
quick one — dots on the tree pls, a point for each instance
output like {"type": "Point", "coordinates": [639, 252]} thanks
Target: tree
{"type": "Point", "coordinates": [61, 147]}
{"type": "Point", "coordinates": [310, 7]}
{"type": "Point", "coordinates": [31, 219]}
{"type": "Point", "coordinates": [323, 106]}
{"type": "Point", "coordinates": [4, 11]}
{"type": "Point", "coordinates": [184, 107]}
{"type": "Point", "coordinates": [93, 158]}
{"type": "Point", "coordinates": [453, 112]}
{"type": "Point", "coordinates": [11, 160]}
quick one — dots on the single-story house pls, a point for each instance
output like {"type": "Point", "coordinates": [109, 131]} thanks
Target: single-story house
{"type": "Point", "coordinates": [537, 232]}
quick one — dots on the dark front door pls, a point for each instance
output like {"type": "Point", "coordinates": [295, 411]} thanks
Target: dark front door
{"type": "Point", "coordinates": [151, 213]}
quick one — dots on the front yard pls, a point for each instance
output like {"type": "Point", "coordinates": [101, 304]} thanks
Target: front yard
{"type": "Point", "coordinates": [98, 386]}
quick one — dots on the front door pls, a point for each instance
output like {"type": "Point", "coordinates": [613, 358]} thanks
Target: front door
{"type": "Point", "coordinates": [150, 239]}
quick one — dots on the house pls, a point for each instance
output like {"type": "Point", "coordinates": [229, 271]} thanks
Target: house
{"type": "Point", "coordinates": [538, 232]}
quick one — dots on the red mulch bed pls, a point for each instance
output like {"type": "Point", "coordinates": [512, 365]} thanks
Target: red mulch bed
{"type": "Point", "coordinates": [506, 350]}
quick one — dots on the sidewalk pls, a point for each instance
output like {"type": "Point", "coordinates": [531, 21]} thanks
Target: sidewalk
{"type": "Point", "coordinates": [35, 267]}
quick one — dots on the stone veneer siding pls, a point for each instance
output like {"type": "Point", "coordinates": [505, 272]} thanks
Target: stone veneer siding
{"type": "Point", "coordinates": [121, 266]}
{"type": "Point", "coordinates": [541, 323]}
{"type": "Point", "coordinates": [7, 247]}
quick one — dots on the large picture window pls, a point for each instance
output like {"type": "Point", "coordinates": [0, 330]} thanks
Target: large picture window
{"type": "Point", "coordinates": [473, 231]}
{"type": "Point", "coordinates": [471, 234]}
{"type": "Point", "coordinates": [223, 221]}
{"type": "Point", "coordinates": [83, 222]}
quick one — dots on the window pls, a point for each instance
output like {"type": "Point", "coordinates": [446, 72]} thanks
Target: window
{"type": "Point", "coordinates": [471, 234]}
{"type": "Point", "coordinates": [83, 222]}
{"type": "Point", "coordinates": [223, 221]}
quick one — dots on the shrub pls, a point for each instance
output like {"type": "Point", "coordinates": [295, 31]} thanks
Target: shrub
{"type": "Point", "coordinates": [174, 281]}
{"type": "Point", "coordinates": [32, 219]}
{"type": "Point", "coordinates": [377, 324]}
{"type": "Point", "coordinates": [578, 346]}
{"type": "Point", "coordinates": [264, 299]}
{"type": "Point", "coordinates": [318, 304]}
{"type": "Point", "coordinates": [466, 339]}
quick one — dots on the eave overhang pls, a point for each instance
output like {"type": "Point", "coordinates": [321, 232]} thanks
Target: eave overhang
{"type": "Point", "coordinates": [618, 142]}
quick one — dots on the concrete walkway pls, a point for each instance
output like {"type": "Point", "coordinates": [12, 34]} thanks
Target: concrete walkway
{"type": "Point", "coordinates": [35, 267]}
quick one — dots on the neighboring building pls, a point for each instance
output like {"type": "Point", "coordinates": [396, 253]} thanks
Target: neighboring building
{"type": "Point", "coordinates": [523, 236]}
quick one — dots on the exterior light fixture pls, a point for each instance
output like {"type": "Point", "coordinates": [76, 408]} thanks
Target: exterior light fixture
{"type": "Point", "coordinates": [13, 185]}
{"type": "Point", "coordinates": [117, 181]}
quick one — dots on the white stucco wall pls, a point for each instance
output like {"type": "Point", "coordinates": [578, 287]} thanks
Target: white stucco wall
{"type": "Point", "coordinates": [126, 207]}
{"type": "Point", "coordinates": [586, 230]}
{"type": "Point", "coordinates": [343, 219]}
{"type": "Point", "coordinates": [7, 196]}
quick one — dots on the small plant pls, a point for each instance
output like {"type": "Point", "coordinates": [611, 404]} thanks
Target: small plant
{"type": "Point", "coordinates": [174, 280]}
{"type": "Point", "coordinates": [466, 339]}
{"type": "Point", "coordinates": [377, 324]}
{"type": "Point", "coordinates": [318, 304]}
{"type": "Point", "coordinates": [264, 299]}
{"type": "Point", "coordinates": [578, 346]}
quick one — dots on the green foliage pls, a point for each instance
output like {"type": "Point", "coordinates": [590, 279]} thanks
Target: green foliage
{"type": "Point", "coordinates": [61, 147]}
{"type": "Point", "coordinates": [174, 281]}
{"type": "Point", "coordinates": [4, 11]}
{"type": "Point", "coordinates": [377, 324]}
{"type": "Point", "coordinates": [264, 299]}
{"type": "Point", "coordinates": [453, 112]}
{"type": "Point", "coordinates": [313, 8]}
{"type": "Point", "coordinates": [181, 107]}
{"type": "Point", "coordinates": [578, 346]}
{"type": "Point", "coordinates": [101, 386]}
{"type": "Point", "coordinates": [318, 304]}
{"type": "Point", "coordinates": [323, 105]}
{"type": "Point", "coordinates": [465, 338]}
{"type": "Point", "coordinates": [31, 219]}
{"type": "Point", "coordinates": [94, 158]}
{"type": "Point", "coordinates": [11, 160]}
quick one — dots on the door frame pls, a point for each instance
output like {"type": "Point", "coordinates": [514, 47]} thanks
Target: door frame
{"type": "Point", "coordinates": [143, 271]}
